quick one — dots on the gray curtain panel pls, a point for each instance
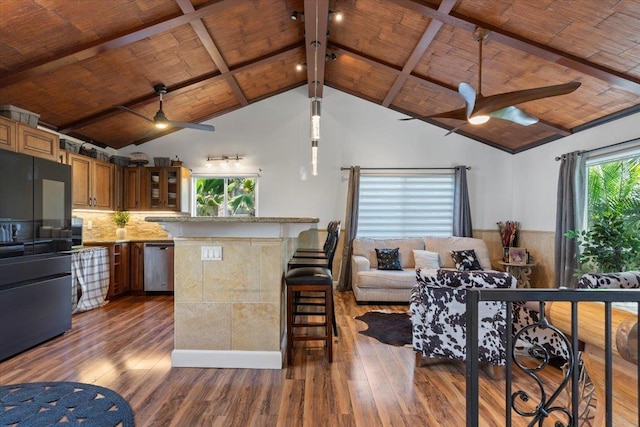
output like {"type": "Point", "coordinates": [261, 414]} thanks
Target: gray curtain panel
{"type": "Point", "coordinates": [350, 228]}
{"type": "Point", "coordinates": [461, 209]}
{"type": "Point", "coordinates": [569, 214]}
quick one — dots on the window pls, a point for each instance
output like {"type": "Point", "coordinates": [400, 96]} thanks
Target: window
{"type": "Point", "coordinates": [406, 205]}
{"type": "Point", "coordinates": [224, 195]}
{"type": "Point", "coordinates": [613, 185]}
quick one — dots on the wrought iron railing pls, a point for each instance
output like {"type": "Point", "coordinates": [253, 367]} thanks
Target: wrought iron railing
{"type": "Point", "coordinates": [571, 380]}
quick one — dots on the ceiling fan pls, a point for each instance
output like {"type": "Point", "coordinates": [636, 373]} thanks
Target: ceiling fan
{"type": "Point", "coordinates": [160, 120]}
{"type": "Point", "coordinates": [479, 109]}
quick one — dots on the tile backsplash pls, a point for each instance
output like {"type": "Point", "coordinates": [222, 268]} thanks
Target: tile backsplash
{"type": "Point", "coordinates": [104, 228]}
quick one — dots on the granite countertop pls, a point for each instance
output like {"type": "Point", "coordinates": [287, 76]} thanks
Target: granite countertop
{"type": "Point", "coordinates": [234, 219]}
{"type": "Point", "coordinates": [112, 241]}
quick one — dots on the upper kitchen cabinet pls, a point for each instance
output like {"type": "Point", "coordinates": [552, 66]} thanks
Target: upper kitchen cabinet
{"type": "Point", "coordinates": [37, 142]}
{"type": "Point", "coordinates": [134, 179]}
{"type": "Point", "coordinates": [118, 188]}
{"type": "Point", "coordinates": [25, 139]}
{"type": "Point", "coordinates": [167, 189]}
{"type": "Point", "coordinates": [8, 134]}
{"type": "Point", "coordinates": [93, 182]}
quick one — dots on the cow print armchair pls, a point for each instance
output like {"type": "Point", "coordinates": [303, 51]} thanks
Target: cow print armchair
{"type": "Point", "coordinates": [438, 312]}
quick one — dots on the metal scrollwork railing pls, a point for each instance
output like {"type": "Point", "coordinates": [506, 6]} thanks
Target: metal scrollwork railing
{"type": "Point", "coordinates": [531, 362]}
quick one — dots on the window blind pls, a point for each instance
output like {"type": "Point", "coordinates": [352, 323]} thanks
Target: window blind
{"type": "Point", "coordinates": [406, 206]}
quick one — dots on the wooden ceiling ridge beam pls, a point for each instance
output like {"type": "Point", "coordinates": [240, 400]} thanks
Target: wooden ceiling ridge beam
{"type": "Point", "coordinates": [212, 50]}
{"type": "Point", "coordinates": [68, 127]}
{"type": "Point", "coordinates": [90, 50]}
{"type": "Point", "coordinates": [316, 23]}
{"type": "Point", "coordinates": [421, 47]}
{"type": "Point", "coordinates": [531, 47]}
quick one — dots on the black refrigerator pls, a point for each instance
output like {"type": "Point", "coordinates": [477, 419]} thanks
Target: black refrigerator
{"type": "Point", "coordinates": [35, 262]}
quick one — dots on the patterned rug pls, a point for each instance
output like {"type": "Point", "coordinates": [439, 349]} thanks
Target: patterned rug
{"type": "Point", "coordinates": [388, 327]}
{"type": "Point", "coordinates": [63, 403]}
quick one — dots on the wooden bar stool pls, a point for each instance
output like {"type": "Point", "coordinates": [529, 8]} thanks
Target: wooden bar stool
{"type": "Point", "coordinates": [309, 279]}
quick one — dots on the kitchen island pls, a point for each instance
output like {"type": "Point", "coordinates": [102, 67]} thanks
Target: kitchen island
{"type": "Point", "coordinates": [229, 311]}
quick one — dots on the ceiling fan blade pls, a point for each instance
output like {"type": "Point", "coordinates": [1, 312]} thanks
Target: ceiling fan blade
{"type": "Point", "coordinates": [459, 114]}
{"type": "Point", "coordinates": [514, 114]}
{"type": "Point", "coordinates": [197, 126]}
{"type": "Point", "coordinates": [455, 129]}
{"type": "Point", "coordinates": [128, 110]}
{"type": "Point", "coordinates": [469, 94]}
{"type": "Point", "coordinates": [486, 105]}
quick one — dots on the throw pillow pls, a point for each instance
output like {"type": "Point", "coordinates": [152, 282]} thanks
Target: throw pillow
{"type": "Point", "coordinates": [426, 259]}
{"type": "Point", "coordinates": [466, 260]}
{"type": "Point", "coordinates": [388, 259]}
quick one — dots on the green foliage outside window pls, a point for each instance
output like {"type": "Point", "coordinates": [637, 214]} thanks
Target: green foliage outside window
{"type": "Point", "coordinates": [611, 241]}
{"type": "Point", "coordinates": [213, 200]}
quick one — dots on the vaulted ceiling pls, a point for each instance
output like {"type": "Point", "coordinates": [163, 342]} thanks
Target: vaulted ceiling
{"type": "Point", "coordinates": [73, 61]}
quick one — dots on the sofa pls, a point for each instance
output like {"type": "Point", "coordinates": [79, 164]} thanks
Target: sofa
{"type": "Point", "coordinates": [372, 284]}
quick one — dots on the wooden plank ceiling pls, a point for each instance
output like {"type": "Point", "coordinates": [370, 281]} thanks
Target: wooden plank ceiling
{"type": "Point", "coordinates": [72, 61]}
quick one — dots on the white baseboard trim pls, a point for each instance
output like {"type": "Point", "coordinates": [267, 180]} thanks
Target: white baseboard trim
{"type": "Point", "coordinates": [226, 359]}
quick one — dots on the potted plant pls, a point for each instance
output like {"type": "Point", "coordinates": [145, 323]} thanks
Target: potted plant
{"type": "Point", "coordinates": [121, 218]}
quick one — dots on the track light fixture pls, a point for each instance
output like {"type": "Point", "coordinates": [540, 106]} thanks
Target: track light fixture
{"type": "Point", "coordinates": [295, 15]}
{"type": "Point", "coordinates": [331, 56]}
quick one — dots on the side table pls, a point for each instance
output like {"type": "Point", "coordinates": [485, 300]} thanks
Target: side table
{"type": "Point", "coordinates": [521, 272]}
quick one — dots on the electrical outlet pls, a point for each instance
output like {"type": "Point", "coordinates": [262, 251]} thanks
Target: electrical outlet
{"type": "Point", "coordinates": [211, 253]}
{"type": "Point", "coordinates": [89, 225]}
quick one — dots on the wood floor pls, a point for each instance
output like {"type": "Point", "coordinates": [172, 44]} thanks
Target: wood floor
{"type": "Point", "coordinates": [126, 347]}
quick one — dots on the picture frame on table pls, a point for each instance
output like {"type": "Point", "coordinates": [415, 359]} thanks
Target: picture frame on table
{"type": "Point", "coordinates": [517, 255]}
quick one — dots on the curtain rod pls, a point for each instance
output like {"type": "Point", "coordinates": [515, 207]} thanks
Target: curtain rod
{"type": "Point", "coordinates": [602, 148]}
{"type": "Point", "coordinates": [402, 169]}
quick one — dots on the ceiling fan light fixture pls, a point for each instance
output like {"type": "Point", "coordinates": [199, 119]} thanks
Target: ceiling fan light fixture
{"type": "Point", "coordinates": [479, 119]}
{"type": "Point", "coordinates": [160, 120]}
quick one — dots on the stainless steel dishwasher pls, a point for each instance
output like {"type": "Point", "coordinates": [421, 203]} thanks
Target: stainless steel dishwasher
{"type": "Point", "coordinates": [158, 267]}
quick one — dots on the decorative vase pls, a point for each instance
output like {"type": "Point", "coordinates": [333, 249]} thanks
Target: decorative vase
{"type": "Point", "coordinates": [121, 233]}
{"type": "Point", "coordinates": [505, 254]}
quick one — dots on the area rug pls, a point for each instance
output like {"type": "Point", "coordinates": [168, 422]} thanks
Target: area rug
{"type": "Point", "coordinates": [388, 327]}
{"type": "Point", "coordinates": [63, 403]}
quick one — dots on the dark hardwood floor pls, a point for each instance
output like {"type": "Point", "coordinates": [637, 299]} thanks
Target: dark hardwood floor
{"type": "Point", "coordinates": [126, 346]}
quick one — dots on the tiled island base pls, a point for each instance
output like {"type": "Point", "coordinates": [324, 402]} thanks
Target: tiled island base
{"type": "Point", "coordinates": [230, 313]}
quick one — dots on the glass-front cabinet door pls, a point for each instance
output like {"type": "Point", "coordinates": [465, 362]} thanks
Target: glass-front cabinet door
{"type": "Point", "coordinates": [164, 189]}
{"type": "Point", "coordinates": [156, 190]}
{"type": "Point", "coordinates": [173, 188]}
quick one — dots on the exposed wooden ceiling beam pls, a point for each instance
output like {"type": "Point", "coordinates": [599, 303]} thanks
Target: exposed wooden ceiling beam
{"type": "Point", "coordinates": [316, 21]}
{"type": "Point", "coordinates": [90, 50]}
{"type": "Point", "coordinates": [212, 49]}
{"type": "Point", "coordinates": [422, 46]}
{"type": "Point", "coordinates": [592, 69]}
{"type": "Point", "coordinates": [68, 127]}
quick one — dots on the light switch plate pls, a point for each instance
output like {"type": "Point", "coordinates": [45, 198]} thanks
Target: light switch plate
{"type": "Point", "coordinates": [211, 253]}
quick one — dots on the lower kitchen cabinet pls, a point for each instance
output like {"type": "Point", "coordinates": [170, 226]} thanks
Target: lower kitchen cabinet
{"type": "Point", "coordinates": [136, 267]}
{"type": "Point", "coordinates": [118, 268]}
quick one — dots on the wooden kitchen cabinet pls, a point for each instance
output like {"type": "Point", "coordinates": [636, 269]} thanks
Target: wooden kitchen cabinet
{"type": "Point", "coordinates": [16, 136]}
{"type": "Point", "coordinates": [134, 180]}
{"type": "Point", "coordinates": [37, 142]}
{"type": "Point", "coordinates": [167, 189]}
{"type": "Point", "coordinates": [92, 182]}
{"type": "Point", "coordinates": [118, 268]}
{"type": "Point", "coordinates": [118, 188]}
{"type": "Point", "coordinates": [8, 132]}
{"type": "Point", "coordinates": [136, 267]}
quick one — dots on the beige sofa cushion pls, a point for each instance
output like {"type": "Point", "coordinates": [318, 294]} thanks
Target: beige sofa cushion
{"type": "Point", "coordinates": [444, 246]}
{"type": "Point", "coordinates": [387, 279]}
{"type": "Point", "coordinates": [367, 248]}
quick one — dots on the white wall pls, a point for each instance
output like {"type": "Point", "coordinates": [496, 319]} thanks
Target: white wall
{"type": "Point", "coordinates": [536, 179]}
{"type": "Point", "coordinates": [273, 136]}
